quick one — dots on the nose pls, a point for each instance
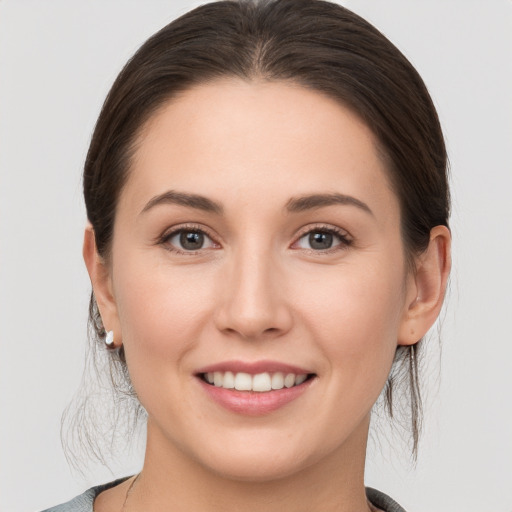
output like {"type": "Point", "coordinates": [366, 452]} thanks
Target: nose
{"type": "Point", "coordinates": [253, 301]}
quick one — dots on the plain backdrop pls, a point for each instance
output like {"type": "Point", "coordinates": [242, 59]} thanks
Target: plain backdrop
{"type": "Point", "coordinates": [58, 59]}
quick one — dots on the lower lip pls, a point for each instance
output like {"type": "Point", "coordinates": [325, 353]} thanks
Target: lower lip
{"type": "Point", "coordinates": [253, 403]}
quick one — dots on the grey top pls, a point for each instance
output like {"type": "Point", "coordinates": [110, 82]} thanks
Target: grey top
{"type": "Point", "coordinates": [84, 502]}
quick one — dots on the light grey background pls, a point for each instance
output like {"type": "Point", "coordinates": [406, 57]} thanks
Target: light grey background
{"type": "Point", "coordinates": [57, 61]}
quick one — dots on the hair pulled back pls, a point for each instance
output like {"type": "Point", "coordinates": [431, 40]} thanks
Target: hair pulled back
{"type": "Point", "coordinates": [314, 43]}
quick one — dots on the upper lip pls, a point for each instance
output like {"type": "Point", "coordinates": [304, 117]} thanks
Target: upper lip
{"type": "Point", "coordinates": [253, 367]}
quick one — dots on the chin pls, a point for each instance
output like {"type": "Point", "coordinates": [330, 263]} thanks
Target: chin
{"type": "Point", "coordinates": [268, 459]}
{"type": "Point", "coordinates": [256, 469]}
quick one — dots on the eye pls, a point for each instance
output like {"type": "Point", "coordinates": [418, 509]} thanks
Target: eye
{"type": "Point", "coordinates": [322, 239]}
{"type": "Point", "coordinates": [188, 240]}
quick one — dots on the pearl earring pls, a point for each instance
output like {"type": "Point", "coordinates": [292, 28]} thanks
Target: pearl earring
{"type": "Point", "coordinates": [109, 339]}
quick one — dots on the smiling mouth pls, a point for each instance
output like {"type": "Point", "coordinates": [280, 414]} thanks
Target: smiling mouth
{"type": "Point", "coordinates": [260, 382]}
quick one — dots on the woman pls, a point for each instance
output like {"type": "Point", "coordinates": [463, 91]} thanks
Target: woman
{"type": "Point", "coordinates": [268, 243]}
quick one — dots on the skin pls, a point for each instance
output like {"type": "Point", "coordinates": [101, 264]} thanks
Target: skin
{"type": "Point", "coordinates": [258, 290]}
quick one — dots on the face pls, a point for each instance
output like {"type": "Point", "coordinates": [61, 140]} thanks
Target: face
{"type": "Point", "coordinates": [257, 245]}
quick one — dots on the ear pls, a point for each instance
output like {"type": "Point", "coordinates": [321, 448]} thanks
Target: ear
{"type": "Point", "coordinates": [426, 287]}
{"type": "Point", "coordinates": [101, 281]}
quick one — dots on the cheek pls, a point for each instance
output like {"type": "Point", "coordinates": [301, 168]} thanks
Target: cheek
{"type": "Point", "coordinates": [356, 316]}
{"type": "Point", "coordinates": [161, 308]}
{"type": "Point", "coordinates": [162, 313]}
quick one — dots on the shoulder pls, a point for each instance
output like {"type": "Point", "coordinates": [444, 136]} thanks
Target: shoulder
{"type": "Point", "coordinates": [84, 502]}
{"type": "Point", "coordinates": [382, 501]}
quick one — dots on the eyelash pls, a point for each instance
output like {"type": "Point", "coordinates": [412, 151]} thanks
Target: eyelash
{"type": "Point", "coordinates": [187, 228]}
{"type": "Point", "coordinates": [344, 240]}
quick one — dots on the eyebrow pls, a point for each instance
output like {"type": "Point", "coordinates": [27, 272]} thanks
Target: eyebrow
{"type": "Point", "coordinates": [294, 205]}
{"type": "Point", "coordinates": [309, 202]}
{"type": "Point", "coordinates": [184, 199]}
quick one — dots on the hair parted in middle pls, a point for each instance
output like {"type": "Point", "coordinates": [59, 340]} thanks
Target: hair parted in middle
{"type": "Point", "coordinates": [312, 43]}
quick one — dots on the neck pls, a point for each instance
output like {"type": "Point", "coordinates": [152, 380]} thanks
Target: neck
{"type": "Point", "coordinates": [172, 480]}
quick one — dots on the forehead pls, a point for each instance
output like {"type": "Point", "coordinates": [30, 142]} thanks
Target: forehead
{"type": "Point", "coordinates": [231, 138]}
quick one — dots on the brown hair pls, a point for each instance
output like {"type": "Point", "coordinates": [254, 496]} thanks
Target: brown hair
{"type": "Point", "coordinates": [314, 43]}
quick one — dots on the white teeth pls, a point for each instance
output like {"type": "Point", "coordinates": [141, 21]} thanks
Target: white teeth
{"type": "Point", "coordinates": [289, 380]}
{"type": "Point", "coordinates": [278, 381]}
{"type": "Point", "coordinates": [229, 380]}
{"type": "Point", "coordinates": [243, 382]}
{"type": "Point", "coordinates": [300, 379]}
{"type": "Point", "coordinates": [217, 379]}
{"type": "Point", "coordinates": [261, 382]}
